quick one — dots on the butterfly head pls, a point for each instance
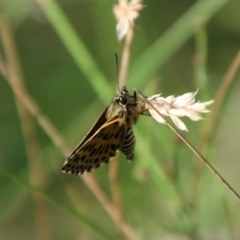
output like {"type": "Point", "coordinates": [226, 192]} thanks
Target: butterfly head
{"type": "Point", "coordinates": [122, 97]}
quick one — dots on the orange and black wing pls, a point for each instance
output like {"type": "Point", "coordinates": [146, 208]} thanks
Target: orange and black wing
{"type": "Point", "coordinates": [96, 148]}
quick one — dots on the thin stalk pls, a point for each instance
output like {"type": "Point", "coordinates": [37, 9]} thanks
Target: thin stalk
{"type": "Point", "coordinates": [195, 151]}
{"type": "Point", "coordinates": [32, 146]}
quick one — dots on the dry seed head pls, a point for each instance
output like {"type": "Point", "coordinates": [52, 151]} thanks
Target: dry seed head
{"type": "Point", "coordinates": [176, 107]}
{"type": "Point", "coordinates": [126, 12]}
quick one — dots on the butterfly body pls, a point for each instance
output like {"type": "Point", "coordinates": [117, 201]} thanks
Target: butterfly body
{"type": "Point", "coordinates": [111, 132]}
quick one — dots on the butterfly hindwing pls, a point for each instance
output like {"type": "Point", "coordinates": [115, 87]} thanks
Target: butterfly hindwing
{"type": "Point", "coordinates": [128, 143]}
{"type": "Point", "coordinates": [98, 148]}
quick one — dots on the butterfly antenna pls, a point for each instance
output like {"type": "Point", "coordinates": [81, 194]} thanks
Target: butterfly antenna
{"type": "Point", "coordinates": [116, 61]}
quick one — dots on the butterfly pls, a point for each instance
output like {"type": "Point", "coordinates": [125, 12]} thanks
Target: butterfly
{"type": "Point", "coordinates": [111, 132]}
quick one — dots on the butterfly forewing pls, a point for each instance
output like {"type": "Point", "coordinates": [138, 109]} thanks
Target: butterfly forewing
{"type": "Point", "coordinates": [98, 149]}
{"type": "Point", "coordinates": [97, 125]}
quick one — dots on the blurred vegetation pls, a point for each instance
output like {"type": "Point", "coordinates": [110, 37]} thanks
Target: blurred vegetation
{"type": "Point", "coordinates": [66, 51]}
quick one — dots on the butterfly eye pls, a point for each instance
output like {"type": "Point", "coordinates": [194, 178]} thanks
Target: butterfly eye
{"type": "Point", "coordinates": [123, 100]}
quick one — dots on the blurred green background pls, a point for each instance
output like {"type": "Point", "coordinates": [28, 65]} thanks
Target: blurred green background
{"type": "Point", "coordinates": [167, 193]}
